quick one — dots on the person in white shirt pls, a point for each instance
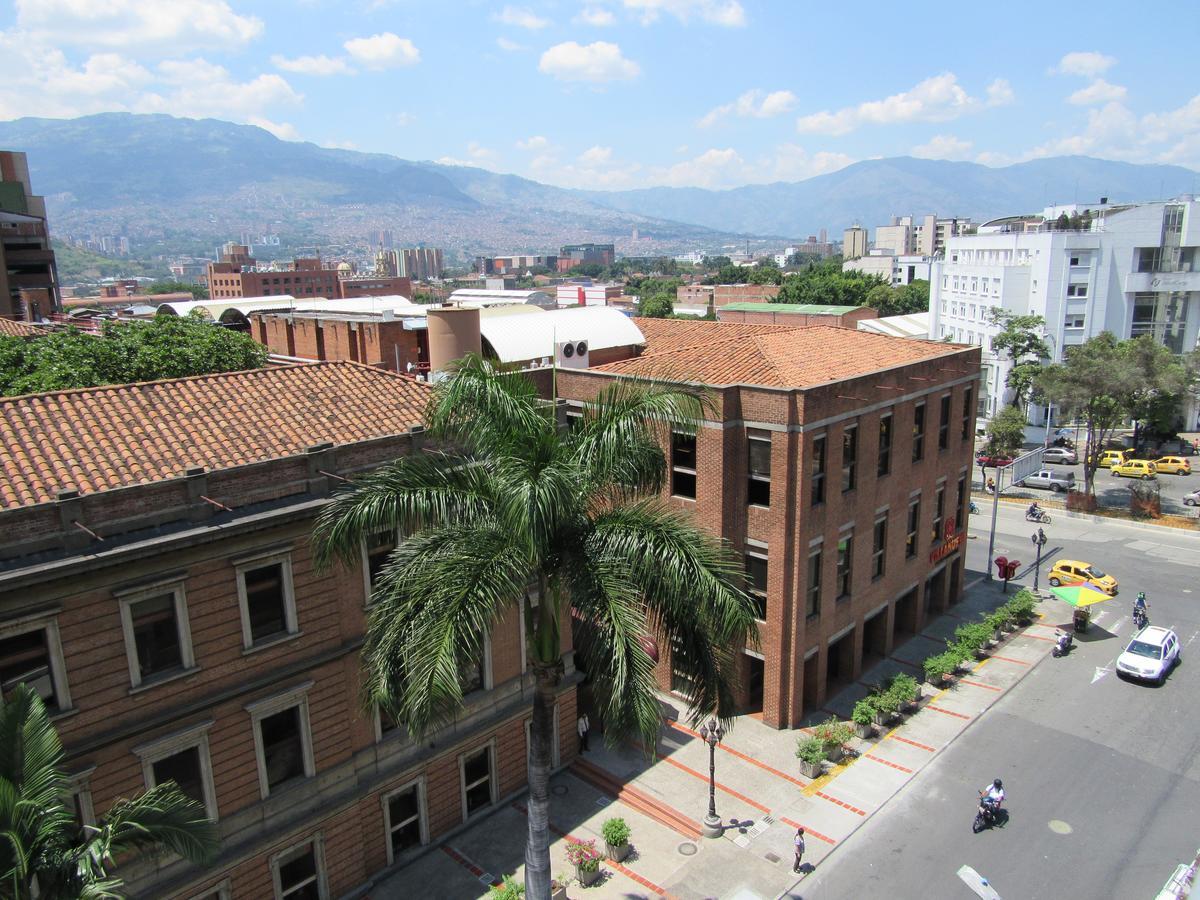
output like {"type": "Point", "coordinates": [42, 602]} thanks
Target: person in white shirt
{"type": "Point", "coordinates": [798, 841]}
{"type": "Point", "coordinates": [583, 727]}
{"type": "Point", "coordinates": [993, 796]}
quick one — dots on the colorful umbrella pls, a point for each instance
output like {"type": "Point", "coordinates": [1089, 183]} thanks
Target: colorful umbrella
{"type": "Point", "coordinates": [1080, 595]}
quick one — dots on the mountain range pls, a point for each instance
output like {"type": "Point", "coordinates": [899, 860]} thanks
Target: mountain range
{"type": "Point", "coordinates": [169, 181]}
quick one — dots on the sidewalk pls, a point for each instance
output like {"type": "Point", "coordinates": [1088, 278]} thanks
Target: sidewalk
{"type": "Point", "coordinates": [760, 794]}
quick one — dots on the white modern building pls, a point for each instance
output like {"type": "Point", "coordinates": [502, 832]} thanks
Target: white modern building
{"type": "Point", "coordinates": [1129, 269]}
{"type": "Point", "coordinates": [896, 270]}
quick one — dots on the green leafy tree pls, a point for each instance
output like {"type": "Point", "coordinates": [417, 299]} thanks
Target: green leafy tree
{"type": "Point", "coordinates": [521, 509]}
{"type": "Point", "coordinates": [1022, 338]}
{"type": "Point", "coordinates": [44, 853]}
{"type": "Point", "coordinates": [1006, 431]}
{"type": "Point", "coordinates": [656, 306]}
{"type": "Point", "coordinates": [766, 273]}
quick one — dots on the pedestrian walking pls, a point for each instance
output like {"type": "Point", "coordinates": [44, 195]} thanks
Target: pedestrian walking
{"type": "Point", "coordinates": [991, 486]}
{"type": "Point", "coordinates": [583, 726]}
{"type": "Point", "coordinates": [799, 842]}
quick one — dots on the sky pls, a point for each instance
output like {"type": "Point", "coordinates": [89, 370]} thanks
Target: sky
{"type": "Point", "coordinates": [615, 94]}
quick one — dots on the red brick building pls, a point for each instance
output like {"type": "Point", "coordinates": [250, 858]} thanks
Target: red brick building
{"type": "Point", "coordinates": [157, 588]}
{"type": "Point", "coordinates": [372, 339]}
{"type": "Point", "coordinates": [237, 275]}
{"type": "Point", "coordinates": [838, 463]}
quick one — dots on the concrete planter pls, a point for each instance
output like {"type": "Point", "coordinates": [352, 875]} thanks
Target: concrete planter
{"type": "Point", "coordinates": [617, 852]}
{"type": "Point", "coordinates": [811, 770]}
{"type": "Point", "coordinates": [834, 752]}
{"type": "Point", "coordinates": [558, 891]}
{"type": "Point", "coordinates": [864, 731]}
{"type": "Point", "coordinates": [589, 877]}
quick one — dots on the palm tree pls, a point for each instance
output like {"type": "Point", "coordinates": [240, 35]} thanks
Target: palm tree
{"type": "Point", "coordinates": [515, 510]}
{"type": "Point", "coordinates": [44, 853]}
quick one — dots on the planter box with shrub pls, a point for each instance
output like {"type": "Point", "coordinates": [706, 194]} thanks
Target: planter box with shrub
{"type": "Point", "coordinates": [616, 838]}
{"type": "Point", "coordinates": [811, 753]}
{"type": "Point", "coordinates": [863, 717]}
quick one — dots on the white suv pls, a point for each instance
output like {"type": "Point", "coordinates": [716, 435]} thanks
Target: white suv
{"type": "Point", "coordinates": [1152, 653]}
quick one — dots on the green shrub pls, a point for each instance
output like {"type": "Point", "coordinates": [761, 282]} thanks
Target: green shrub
{"type": "Point", "coordinates": [509, 890]}
{"type": "Point", "coordinates": [887, 703]}
{"type": "Point", "coordinates": [903, 688]}
{"type": "Point", "coordinates": [864, 711]}
{"type": "Point", "coordinates": [998, 619]}
{"type": "Point", "coordinates": [616, 831]}
{"type": "Point", "coordinates": [1021, 606]}
{"type": "Point", "coordinates": [972, 636]}
{"type": "Point", "coordinates": [833, 733]}
{"type": "Point", "coordinates": [811, 750]}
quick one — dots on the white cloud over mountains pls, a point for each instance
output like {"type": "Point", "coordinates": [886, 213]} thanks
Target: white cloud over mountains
{"type": "Point", "coordinates": [753, 103]}
{"type": "Point", "coordinates": [165, 28]}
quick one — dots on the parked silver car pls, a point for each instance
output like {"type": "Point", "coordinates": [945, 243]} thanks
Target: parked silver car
{"type": "Point", "coordinates": [1048, 480]}
{"type": "Point", "coordinates": [1062, 455]}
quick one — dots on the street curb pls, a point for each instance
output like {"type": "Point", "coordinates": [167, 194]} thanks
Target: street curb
{"type": "Point", "coordinates": [791, 891]}
{"type": "Point", "coordinates": [1095, 520]}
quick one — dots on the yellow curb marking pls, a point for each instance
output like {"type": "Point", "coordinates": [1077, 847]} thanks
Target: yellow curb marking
{"type": "Point", "coordinates": [819, 783]}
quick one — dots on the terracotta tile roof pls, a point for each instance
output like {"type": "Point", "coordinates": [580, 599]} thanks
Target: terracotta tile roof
{"type": "Point", "coordinates": [15, 328]}
{"type": "Point", "coordinates": [785, 357]}
{"type": "Point", "coordinates": [672, 334]}
{"type": "Point", "coordinates": [96, 439]}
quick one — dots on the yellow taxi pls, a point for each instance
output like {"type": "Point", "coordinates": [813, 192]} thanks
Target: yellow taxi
{"type": "Point", "coordinates": [1072, 571]}
{"type": "Point", "coordinates": [1110, 458]}
{"type": "Point", "coordinates": [1173, 465]}
{"type": "Point", "coordinates": [1135, 468]}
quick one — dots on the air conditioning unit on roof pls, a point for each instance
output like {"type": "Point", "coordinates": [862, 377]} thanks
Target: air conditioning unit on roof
{"type": "Point", "coordinates": [571, 354]}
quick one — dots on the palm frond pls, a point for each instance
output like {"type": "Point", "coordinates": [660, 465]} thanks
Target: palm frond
{"type": "Point", "coordinates": [409, 494]}
{"type": "Point", "coordinates": [163, 816]}
{"type": "Point", "coordinates": [486, 406]}
{"type": "Point", "coordinates": [30, 750]}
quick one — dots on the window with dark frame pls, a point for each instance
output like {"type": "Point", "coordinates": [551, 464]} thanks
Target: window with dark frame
{"type": "Point", "coordinates": [25, 659]}
{"type": "Point", "coordinates": [968, 400]}
{"type": "Point", "coordinates": [817, 470]}
{"type": "Point", "coordinates": [960, 503]}
{"type": "Point", "coordinates": [884, 459]}
{"type": "Point", "coordinates": [758, 457]}
{"type": "Point", "coordinates": [918, 432]}
{"type": "Point", "coordinates": [404, 820]}
{"type": "Point", "coordinates": [266, 601]}
{"type": "Point", "coordinates": [939, 510]}
{"type": "Point", "coordinates": [156, 636]}
{"type": "Point", "coordinates": [683, 465]}
{"type": "Point", "coordinates": [756, 580]}
{"type": "Point", "coordinates": [379, 547]}
{"type": "Point", "coordinates": [914, 527]}
{"type": "Point", "coordinates": [283, 746]}
{"type": "Point", "coordinates": [299, 876]}
{"type": "Point", "coordinates": [812, 600]}
{"type": "Point", "coordinates": [879, 548]}
{"type": "Point", "coordinates": [849, 457]}
{"type": "Point", "coordinates": [470, 678]}
{"type": "Point", "coordinates": [944, 424]}
{"type": "Point", "coordinates": [845, 547]}
{"type": "Point", "coordinates": [184, 769]}
{"type": "Point", "coordinates": [477, 779]}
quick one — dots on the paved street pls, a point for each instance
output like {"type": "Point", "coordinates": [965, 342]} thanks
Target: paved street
{"type": "Point", "coordinates": [1102, 775]}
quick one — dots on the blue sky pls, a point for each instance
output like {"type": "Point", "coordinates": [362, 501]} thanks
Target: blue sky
{"type": "Point", "coordinates": [629, 93]}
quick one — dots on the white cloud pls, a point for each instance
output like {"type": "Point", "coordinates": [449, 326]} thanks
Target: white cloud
{"type": "Point", "coordinates": [994, 159]}
{"type": "Point", "coordinates": [726, 13]}
{"type": "Point", "coordinates": [281, 130]}
{"type": "Point", "coordinates": [198, 88]}
{"type": "Point", "coordinates": [312, 65]}
{"type": "Point", "coordinates": [937, 99]}
{"type": "Point", "coordinates": [711, 168]}
{"type": "Point", "coordinates": [1099, 91]}
{"type": "Point", "coordinates": [1000, 93]}
{"type": "Point", "coordinates": [335, 144]}
{"type": "Point", "coordinates": [794, 163]}
{"type": "Point", "coordinates": [752, 103]}
{"type": "Point", "coordinates": [535, 143]}
{"type": "Point", "coordinates": [403, 119]}
{"type": "Point", "coordinates": [598, 62]}
{"type": "Point", "coordinates": [508, 46]}
{"type": "Point", "coordinates": [596, 17]}
{"type": "Point", "coordinates": [596, 156]}
{"type": "Point", "coordinates": [943, 146]}
{"type": "Point", "coordinates": [520, 17]}
{"type": "Point", "coordinates": [163, 28]}
{"type": "Point", "coordinates": [383, 51]}
{"type": "Point", "coordinates": [479, 153]}
{"type": "Point", "coordinates": [1088, 63]}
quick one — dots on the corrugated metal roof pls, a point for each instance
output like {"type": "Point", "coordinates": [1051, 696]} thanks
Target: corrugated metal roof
{"type": "Point", "coordinates": [913, 325]}
{"type": "Point", "coordinates": [483, 297]}
{"type": "Point", "coordinates": [518, 338]}
{"type": "Point", "coordinates": [812, 309]}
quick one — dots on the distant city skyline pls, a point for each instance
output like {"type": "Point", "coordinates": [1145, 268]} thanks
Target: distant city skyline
{"type": "Point", "coordinates": [623, 93]}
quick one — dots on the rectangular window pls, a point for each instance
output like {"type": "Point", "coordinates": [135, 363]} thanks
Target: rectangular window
{"type": "Point", "coordinates": [158, 640]}
{"type": "Point", "coordinates": [182, 757]}
{"type": "Point", "coordinates": [758, 456]}
{"type": "Point", "coordinates": [298, 873]}
{"type": "Point", "coordinates": [918, 432]}
{"type": "Point", "coordinates": [844, 548]}
{"type": "Point", "coordinates": [282, 739]}
{"type": "Point", "coordinates": [968, 400]}
{"type": "Point", "coordinates": [914, 526]}
{"type": "Point", "coordinates": [812, 600]}
{"type": "Point", "coordinates": [33, 656]}
{"type": "Point", "coordinates": [404, 819]}
{"type": "Point", "coordinates": [944, 424]}
{"type": "Point", "coordinates": [1074, 320]}
{"type": "Point", "coordinates": [681, 682]}
{"type": "Point", "coordinates": [817, 470]}
{"type": "Point", "coordinates": [1077, 290]}
{"type": "Point", "coordinates": [376, 550]}
{"type": "Point", "coordinates": [884, 459]}
{"type": "Point", "coordinates": [756, 581]}
{"type": "Point", "coordinates": [478, 785]}
{"type": "Point", "coordinates": [268, 603]}
{"type": "Point", "coordinates": [939, 511]}
{"type": "Point", "coordinates": [849, 457]}
{"type": "Point", "coordinates": [879, 548]}
{"type": "Point", "coordinates": [683, 465]}
{"type": "Point", "coordinates": [960, 503]}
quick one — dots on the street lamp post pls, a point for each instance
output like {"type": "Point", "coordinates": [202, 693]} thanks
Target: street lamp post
{"type": "Point", "coordinates": [711, 734]}
{"type": "Point", "coordinates": [1039, 541]}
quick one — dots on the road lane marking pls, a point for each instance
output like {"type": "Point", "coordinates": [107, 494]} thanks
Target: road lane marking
{"type": "Point", "coordinates": [1100, 673]}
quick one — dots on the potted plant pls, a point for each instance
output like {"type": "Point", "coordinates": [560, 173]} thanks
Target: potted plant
{"type": "Point", "coordinates": [1021, 606]}
{"type": "Point", "coordinates": [940, 667]}
{"type": "Point", "coordinates": [558, 887]}
{"type": "Point", "coordinates": [863, 717]}
{"type": "Point", "coordinates": [584, 856]}
{"type": "Point", "coordinates": [811, 753]}
{"type": "Point", "coordinates": [887, 707]}
{"type": "Point", "coordinates": [616, 838]}
{"type": "Point", "coordinates": [997, 622]}
{"type": "Point", "coordinates": [508, 890]}
{"type": "Point", "coordinates": [906, 690]}
{"type": "Point", "coordinates": [833, 735]}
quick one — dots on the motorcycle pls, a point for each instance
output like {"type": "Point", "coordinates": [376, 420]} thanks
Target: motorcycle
{"type": "Point", "coordinates": [1040, 516]}
{"type": "Point", "coordinates": [1062, 644]}
{"type": "Point", "coordinates": [974, 509]}
{"type": "Point", "coordinates": [987, 815]}
{"type": "Point", "coordinates": [1140, 618]}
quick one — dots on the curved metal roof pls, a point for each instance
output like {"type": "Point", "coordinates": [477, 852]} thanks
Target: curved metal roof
{"type": "Point", "coordinates": [482, 297]}
{"type": "Point", "coordinates": [518, 338]}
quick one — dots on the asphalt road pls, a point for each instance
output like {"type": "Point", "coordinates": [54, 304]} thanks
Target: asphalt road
{"type": "Point", "coordinates": [1102, 775]}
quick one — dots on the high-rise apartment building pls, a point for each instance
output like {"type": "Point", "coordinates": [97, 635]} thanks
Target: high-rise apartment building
{"type": "Point", "coordinates": [28, 274]}
{"type": "Point", "coordinates": [854, 242]}
{"type": "Point", "coordinates": [582, 254]}
{"type": "Point", "coordinates": [419, 263]}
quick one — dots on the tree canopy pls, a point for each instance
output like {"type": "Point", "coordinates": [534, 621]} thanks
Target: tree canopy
{"type": "Point", "coordinates": [162, 347]}
{"type": "Point", "coordinates": [1022, 338]}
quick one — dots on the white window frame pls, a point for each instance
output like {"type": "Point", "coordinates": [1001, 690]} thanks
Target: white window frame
{"type": "Point", "coordinates": [757, 550]}
{"type": "Point", "coordinates": [366, 569]}
{"type": "Point", "coordinates": [177, 742]}
{"type": "Point", "coordinates": [127, 598]}
{"type": "Point", "coordinates": [269, 706]}
{"type": "Point", "coordinates": [554, 757]}
{"type": "Point", "coordinates": [318, 851]}
{"type": "Point", "coordinates": [79, 785]}
{"type": "Point", "coordinates": [222, 890]}
{"type": "Point", "coordinates": [58, 664]}
{"type": "Point", "coordinates": [493, 779]}
{"type": "Point", "coordinates": [246, 563]}
{"type": "Point", "coordinates": [422, 813]}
